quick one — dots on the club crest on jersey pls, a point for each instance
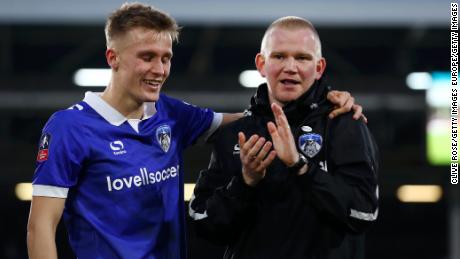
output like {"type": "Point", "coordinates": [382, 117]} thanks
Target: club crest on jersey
{"type": "Point", "coordinates": [310, 144]}
{"type": "Point", "coordinates": [163, 135]}
{"type": "Point", "coordinates": [43, 147]}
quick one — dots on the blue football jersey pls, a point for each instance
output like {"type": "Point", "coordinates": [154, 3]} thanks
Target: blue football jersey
{"type": "Point", "coordinates": [122, 179]}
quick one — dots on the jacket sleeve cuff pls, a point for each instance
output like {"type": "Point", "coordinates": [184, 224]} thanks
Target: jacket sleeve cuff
{"type": "Point", "coordinates": [239, 189]}
{"type": "Point", "coordinates": [311, 174]}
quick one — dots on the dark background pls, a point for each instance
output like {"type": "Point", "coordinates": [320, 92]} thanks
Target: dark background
{"type": "Point", "coordinates": [371, 60]}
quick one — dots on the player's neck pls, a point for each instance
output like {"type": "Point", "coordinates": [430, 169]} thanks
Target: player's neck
{"type": "Point", "coordinates": [124, 105]}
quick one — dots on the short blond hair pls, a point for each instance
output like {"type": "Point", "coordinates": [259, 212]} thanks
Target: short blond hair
{"type": "Point", "coordinates": [138, 15]}
{"type": "Point", "coordinates": [292, 22]}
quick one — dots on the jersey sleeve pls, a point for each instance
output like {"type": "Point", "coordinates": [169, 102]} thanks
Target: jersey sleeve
{"type": "Point", "coordinates": [346, 189]}
{"type": "Point", "coordinates": [60, 158]}
{"type": "Point", "coordinates": [197, 122]}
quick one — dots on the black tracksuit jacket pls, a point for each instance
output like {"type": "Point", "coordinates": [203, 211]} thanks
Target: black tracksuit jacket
{"type": "Point", "coordinates": [321, 214]}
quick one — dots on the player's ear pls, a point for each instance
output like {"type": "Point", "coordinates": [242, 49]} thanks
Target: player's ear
{"type": "Point", "coordinates": [112, 58]}
{"type": "Point", "coordinates": [260, 63]}
{"type": "Point", "coordinates": [320, 67]}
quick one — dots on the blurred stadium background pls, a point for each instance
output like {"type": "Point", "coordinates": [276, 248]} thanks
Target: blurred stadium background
{"type": "Point", "coordinates": [371, 48]}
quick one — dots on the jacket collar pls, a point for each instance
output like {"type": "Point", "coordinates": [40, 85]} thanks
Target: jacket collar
{"type": "Point", "coordinates": [310, 100]}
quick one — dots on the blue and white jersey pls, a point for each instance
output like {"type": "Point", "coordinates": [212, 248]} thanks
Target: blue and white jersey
{"type": "Point", "coordinates": [122, 179]}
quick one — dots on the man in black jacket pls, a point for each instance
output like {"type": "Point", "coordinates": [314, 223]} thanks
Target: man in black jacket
{"type": "Point", "coordinates": [286, 181]}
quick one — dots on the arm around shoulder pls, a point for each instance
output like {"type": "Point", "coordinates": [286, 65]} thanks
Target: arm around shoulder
{"type": "Point", "coordinates": [230, 117]}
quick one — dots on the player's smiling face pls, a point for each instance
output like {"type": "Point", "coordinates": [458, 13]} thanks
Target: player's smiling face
{"type": "Point", "coordinates": [144, 63]}
{"type": "Point", "coordinates": [290, 63]}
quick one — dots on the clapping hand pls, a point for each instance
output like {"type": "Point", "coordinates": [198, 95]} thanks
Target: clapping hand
{"type": "Point", "coordinates": [255, 157]}
{"type": "Point", "coordinates": [282, 138]}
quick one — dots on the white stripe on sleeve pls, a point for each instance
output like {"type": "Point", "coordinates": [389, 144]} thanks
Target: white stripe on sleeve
{"type": "Point", "coordinates": [364, 215]}
{"type": "Point", "coordinates": [195, 215]}
{"type": "Point", "coordinates": [216, 121]}
{"type": "Point", "coordinates": [49, 191]}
